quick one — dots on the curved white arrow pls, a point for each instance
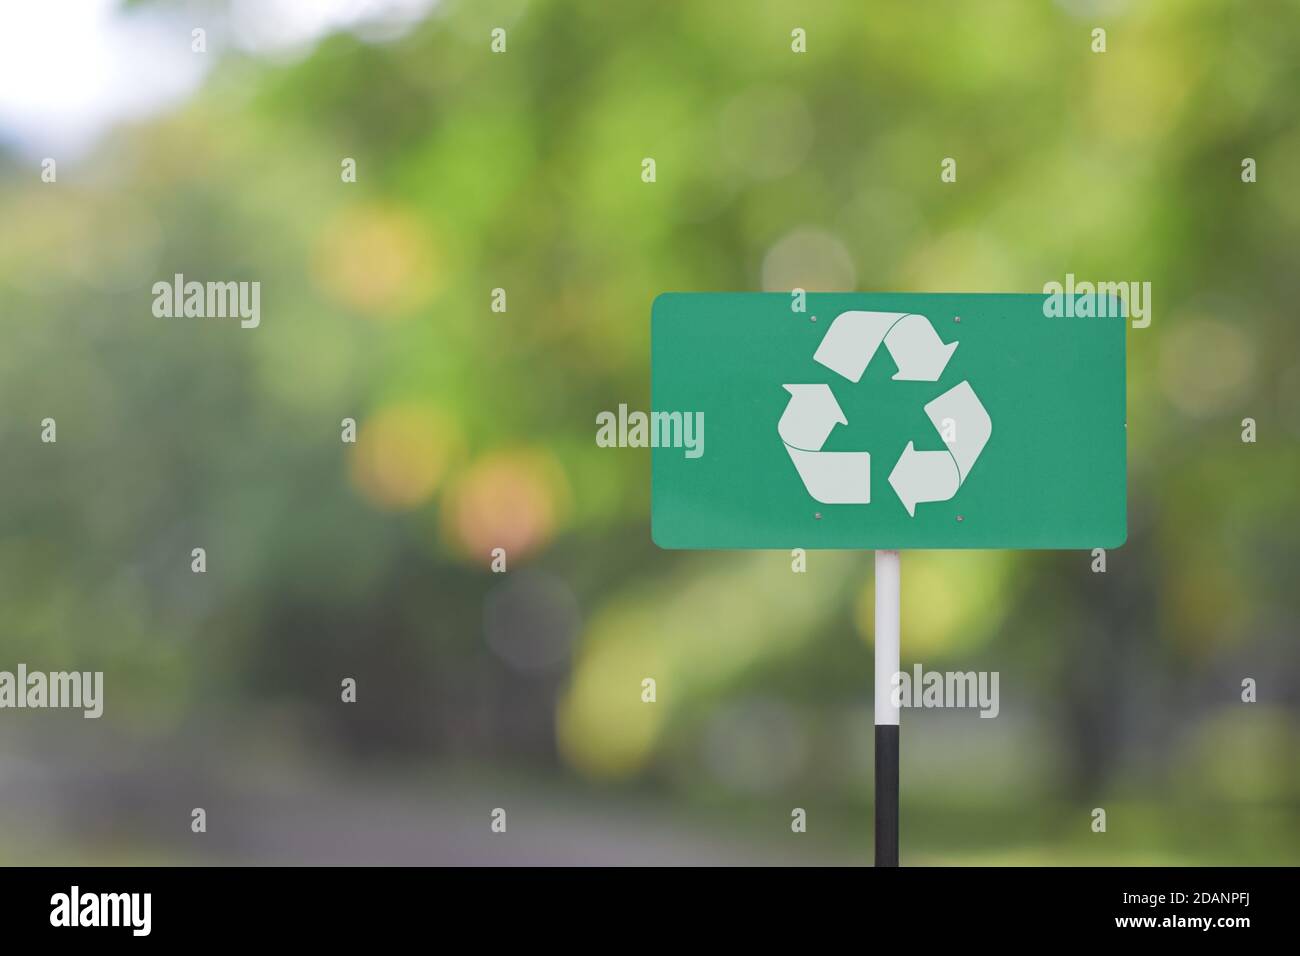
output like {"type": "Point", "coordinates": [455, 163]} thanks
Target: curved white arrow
{"type": "Point", "coordinates": [852, 339]}
{"type": "Point", "coordinates": [835, 477]}
{"type": "Point", "coordinates": [971, 424]}
{"type": "Point", "coordinates": [831, 477]}
{"type": "Point", "coordinates": [936, 475]}
{"type": "Point", "coordinates": [917, 349]}
{"type": "Point", "coordinates": [810, 416]}
{"type": "Point", "coordinates": [924, 476]}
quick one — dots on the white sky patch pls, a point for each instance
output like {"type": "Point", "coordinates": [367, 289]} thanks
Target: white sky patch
{"type": "Point", "coordinates": [70, 69]}
{"type": "Point", "coordinates": [277, 26]}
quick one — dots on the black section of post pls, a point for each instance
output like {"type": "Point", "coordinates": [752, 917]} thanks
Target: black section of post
{"type": "Point", "coordinates": [886, 794]}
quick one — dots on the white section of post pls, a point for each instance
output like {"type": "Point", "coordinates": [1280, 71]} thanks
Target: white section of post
{"type": "Point", "coordinates": [887, 660]}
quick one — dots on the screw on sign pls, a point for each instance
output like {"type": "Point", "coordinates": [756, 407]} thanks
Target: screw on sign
{"type": "Point", "coordinates": [1052, 475]}
{"type": "Point", "coordinates": [839, 477]}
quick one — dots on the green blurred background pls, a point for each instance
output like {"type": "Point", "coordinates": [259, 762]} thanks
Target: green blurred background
{"type": "Point", "coordinates": [522, 171]}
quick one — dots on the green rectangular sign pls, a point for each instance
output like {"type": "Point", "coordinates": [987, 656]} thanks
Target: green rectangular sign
{"type": "Point", "coordinates": [886, 421]}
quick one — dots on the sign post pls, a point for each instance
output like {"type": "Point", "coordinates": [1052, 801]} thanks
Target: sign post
{"type": "Point", "coordinates": [887, 422]}
{"type": "Point", "coordinates": [887, 665]}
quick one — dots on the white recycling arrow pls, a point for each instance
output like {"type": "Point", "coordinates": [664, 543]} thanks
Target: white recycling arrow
{"type": "Point", "coordinates": [810, 416]}
{"type": "Point", "coordinates": [852, 339]}
{"type": "Point", "coordinates": [914, 345]}
{"type": "Point", "coordinates": [936, 475]}
{"type": "Point", "coordinates": [971, 426]}
{"type": "Point", "coordinates": [921, 356]}
{"type": "Point", "coordinates": [917, 349]}
{"type": "Point", "coordinates": [924, 476]}
{"type": "Point", "coordinates": [835, 477]}
{"type": "Point", "coordinates": [831, 477]}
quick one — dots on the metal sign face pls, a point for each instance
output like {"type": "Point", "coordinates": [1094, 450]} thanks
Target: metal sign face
{"type": "Point", "coordinates": [886, 421]}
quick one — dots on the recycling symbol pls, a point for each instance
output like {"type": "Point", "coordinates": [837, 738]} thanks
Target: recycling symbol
{"type": "Point", "coordinates": [844, 477]}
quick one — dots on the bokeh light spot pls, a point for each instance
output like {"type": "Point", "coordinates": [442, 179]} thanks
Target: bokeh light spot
{"type": "Point", "coordinates": [513, 499]}
{"type": "Point", "coordinates": [402, 455]}
{"type": "Point", "coordinates": [380, 261]}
